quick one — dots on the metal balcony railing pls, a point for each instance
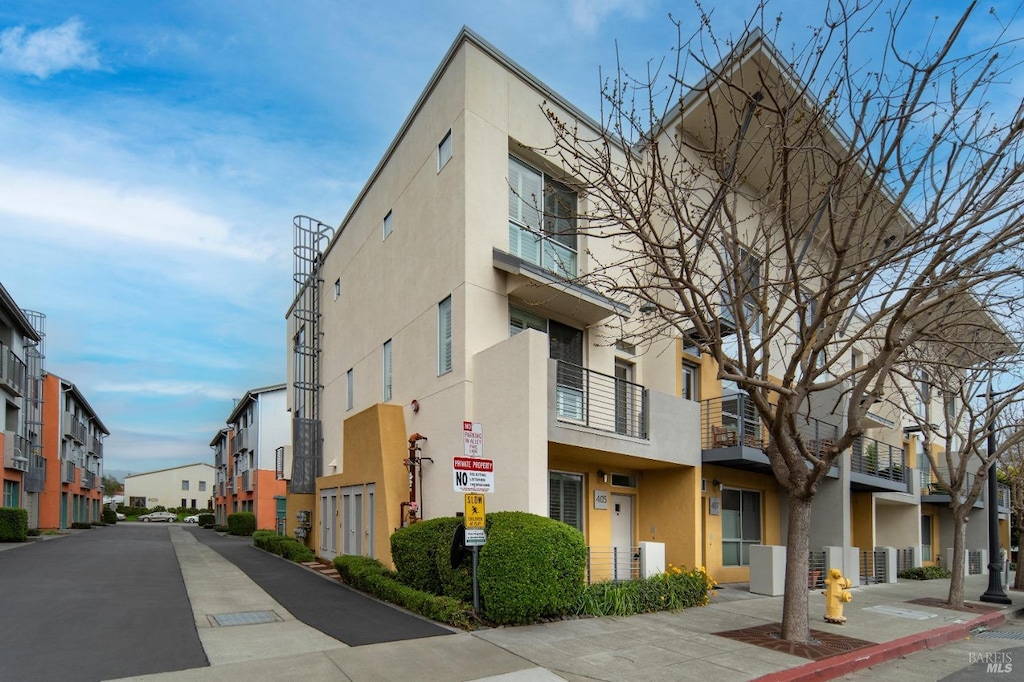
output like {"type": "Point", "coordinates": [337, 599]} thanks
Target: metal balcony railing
{"type": "Point", "coordinates": [599, 401]}
{"type": "Point", "coordinates": [247, 481]}
{"type": "Point", "coordinates": [12, 370]}
{"type": "Point", "coordinates": [1003, 496]}
{"type": "Point", "coordinates": [875, 458]}
{"type": "Point", "coordinates": [240, 441]}
{"type": "Point", "coordinates": [873, 568]}
{"type": "Point", "coordinates": [733, 420]}
{"type": "Point", "coordinates": [96, 446]}
{"type": "Point", "coordinates": [35, 478]}
{"type": "Point", "coordinates": [67, 472]}
{"type": "Point", "coordinates": [929, 484]}
{"type": "Point", "coordinates": [220, 457]}
{"type": "Point", "coordinates": [89, 479]}
{"type": "Point", "coordinates": [612, 563]}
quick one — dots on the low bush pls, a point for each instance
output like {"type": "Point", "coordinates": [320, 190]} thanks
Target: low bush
{"type": "Point", "coordinates": [420, 550]}
{"type": "Point", "coordinates": [221, 529]}
{"type": "Point", "coordinates": [368, 575]}
{"type": "Point", "coordinates": [207, 520]}
{"type": "Point", "coordinates": [13, 524]}
{"type": "Point", "coordinates": [241, 523]}
{"type": "Point", "coordinates": [282, 545]}
{"type": "Point", "coordinates": [672, 590]}
{"type": "Point", "coordinates": [925, 573]}
{"type": "Point", "coordinates": [33, 532]}
{"type": "Point", "coordinates": [109, 516]}
{"type": "Point", "coordinates": [81, 525]}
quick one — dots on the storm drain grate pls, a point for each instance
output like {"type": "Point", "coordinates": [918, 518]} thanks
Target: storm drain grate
{"type": "Point", "coordinates": [242, 618]}
{"type": "Point", "coordinates": [1002, 634]}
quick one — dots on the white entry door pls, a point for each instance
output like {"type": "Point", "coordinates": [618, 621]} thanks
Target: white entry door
{"type": "Point", "coordinates": [329, 523]}
{"type": "Point", "coordinates": [622, 537]}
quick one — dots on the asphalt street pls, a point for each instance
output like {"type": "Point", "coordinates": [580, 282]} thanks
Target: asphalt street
{"type": "Point", "coordinates": [331, 608]}
{"type": "Point", "coordinates": [100, 604]}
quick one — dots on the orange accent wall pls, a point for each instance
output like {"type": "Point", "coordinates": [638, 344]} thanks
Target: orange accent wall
{"type": "Point", "coordinates": [50, 497]}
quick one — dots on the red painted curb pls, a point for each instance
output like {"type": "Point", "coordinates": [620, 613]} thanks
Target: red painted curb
{"type": "Point", "coordinates": [837, 666]}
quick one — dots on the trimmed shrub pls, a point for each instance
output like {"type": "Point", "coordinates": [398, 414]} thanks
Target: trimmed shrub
{"type": "Point", "coordinates": [33, 532]}
{"type": "Point", "coordinates": [81, 525]}
{"type": "Point", "coordinates": [241, 523]}
{"type": "Point", "coordinates": [420, 549]}
{"type": "Point", "coordinates": [13, 524]}
{"type": "Point", "coordinates": [207, 520]}
{"type": "Point", "coordinates": [530, 568]}
{"type": "Point", "coordinates": [294, 550]}
{"type": "Point", "coordinates": [368, 575]}
{"type": "Point", "coordinates": [221, 529]}
{"type": "Point", "coordinates": [925, 573]}
{"type": "Point", "coordinates": [109, 516]}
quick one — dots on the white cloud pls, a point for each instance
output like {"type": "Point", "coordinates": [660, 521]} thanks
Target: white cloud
{"type": "Point", "coordinates": [140, 216]}
{"type": "Point", "coordinates": [587, 15]}
{"type": "Point", "coordinates": [170, 388]}
{"type": "Point", "coordinates": [47, 51]}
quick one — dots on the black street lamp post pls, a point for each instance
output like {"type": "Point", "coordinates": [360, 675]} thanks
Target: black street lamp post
{"type": "Point", "coordinates": [995, 593]}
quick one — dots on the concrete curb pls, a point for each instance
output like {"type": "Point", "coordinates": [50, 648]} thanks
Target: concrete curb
{"type": "Point", "coordinates": [837, 666]}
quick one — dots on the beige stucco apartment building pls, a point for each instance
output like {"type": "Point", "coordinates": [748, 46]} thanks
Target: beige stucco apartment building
{"type": "Point", "coordinates": [439, 320]}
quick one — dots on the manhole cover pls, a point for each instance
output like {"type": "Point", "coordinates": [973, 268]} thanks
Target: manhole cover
{"type": "Point", "coordinates": [1002, 634]}
{"type": "Point", "coordinates": [242, 618]}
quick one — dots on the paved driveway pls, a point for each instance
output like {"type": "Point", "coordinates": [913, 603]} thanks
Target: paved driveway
{"type": "Point", "coordinates": [100, 604]}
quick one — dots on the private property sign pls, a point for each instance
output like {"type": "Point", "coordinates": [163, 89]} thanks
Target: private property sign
{"type": "Point", "coordinates": [473, 475]}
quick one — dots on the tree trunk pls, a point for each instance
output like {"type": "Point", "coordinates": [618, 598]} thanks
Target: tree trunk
{"type": "Point", "coordinates": [956, 583]}
{"type": "Point", "coordinates": [1018, 576]}
{"type": "Point", "coordinates": [794, 601]}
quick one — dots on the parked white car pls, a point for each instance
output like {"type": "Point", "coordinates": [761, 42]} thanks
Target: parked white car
{"type": "Point", "coordinates": [192, 519]}
{"type": "Point", "coordinates": [159, 516]}
{"type": "Point", "coordinates": [120, 516]}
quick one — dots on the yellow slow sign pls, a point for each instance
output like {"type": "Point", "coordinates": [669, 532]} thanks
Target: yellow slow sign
{"type": "Point", "coordinates": [474, 511]}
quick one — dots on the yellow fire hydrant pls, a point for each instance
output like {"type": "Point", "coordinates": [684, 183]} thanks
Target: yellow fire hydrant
{"type": "Point", "coordinates": [837, 593]}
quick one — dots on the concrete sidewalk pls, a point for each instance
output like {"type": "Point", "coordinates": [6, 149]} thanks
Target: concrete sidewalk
{"type": "Point", "coordinates": [662, 646]}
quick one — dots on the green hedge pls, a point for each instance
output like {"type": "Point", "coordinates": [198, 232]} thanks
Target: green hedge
{"type": "Point", "coordinates": [109, 516]}
{"type": "Point", "coordinates": [282, 545]}
{"type": "Point", "coordinates": [13, 524]}
{"type": "Point", "coordinates": [368, 575]}
{"type": "Point", "coordinates": [241, 523]}
{"type": "Point", "coordinates": [81, 525]}
{"type": "Point", "coordinates": [207, 520]}
{"type": "Point", "coordinates": [530, 568]}
{"type": "Point", "coordinates": [672, 590]}
{"type": "Point", "coordinates": [925, 573]}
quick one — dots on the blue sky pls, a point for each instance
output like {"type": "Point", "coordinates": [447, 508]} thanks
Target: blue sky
{"type": "Point", "coordinates": [154, 154]}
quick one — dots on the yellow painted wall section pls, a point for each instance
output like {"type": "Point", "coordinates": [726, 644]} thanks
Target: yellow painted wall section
{"type": "Point", "coordinates": [295, 503]}
{"type": "Point", "coordinates": [670, 503]}
{"type": "Point", "coordinates": [375, 444]}
{"type": "Point", "coordinates": [770, 519]}
{"type": "Point", "coordinates": [862, 521]}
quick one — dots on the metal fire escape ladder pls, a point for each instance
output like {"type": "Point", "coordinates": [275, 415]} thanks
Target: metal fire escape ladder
{"type": "Point", "coordinates": [311, 237]}
{"type": "Point", "coordinates": [35, 476]}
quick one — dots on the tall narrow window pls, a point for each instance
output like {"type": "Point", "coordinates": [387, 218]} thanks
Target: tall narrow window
{"type": "Point", "coordinates": [741, 525]}
{"type": "Point", "coordinates": [926, 538]}
{"type": "Point", "coordinates": [565, 498]}
{"type": "Point", "coordinates": [690, 381]}
{"type": "Point", "coordinates": [350, 389]}
{"type": "Point", "coordinates": [337, 288]}
{"type": "Point", "coordinates": [387, 227]}
{"type": "Point", "coordinates": [387, 370]}
{"type": "Point", "coordinates": [444, 336]}
{"type": "Point", "coordinates": [444, 151]}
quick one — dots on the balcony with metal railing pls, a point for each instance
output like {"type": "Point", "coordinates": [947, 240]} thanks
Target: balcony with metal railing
{"type": "Point", "coordinates": [67, 472]}
{"type": "Point", "coordinates": [75, 428]}
{"type": "Point", "coordinates": [876, 466]}
{"type": "Point", "coordinates": [89, 479]}
{"type": "Point", "coordinates": [13, 375]}
{"type": "Point", "coordinates": [600, 401]}
{"type": "Point", "coordinates": [35, 477]}
{"type": "Point", "coordinates": [1003, 498]}
{"type": "Point", "coordinates": [96, 446]}
{"type": "Point", "coordinates": [933, 493]}
{"type": "Point", "coordinates": [240, 441]}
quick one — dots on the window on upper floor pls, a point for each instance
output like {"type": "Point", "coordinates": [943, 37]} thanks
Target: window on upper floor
{"type": "Point", "coordinates": [202, 486]}
{"type": "Point", "coordinates": [444, 336]}
{"type": "Point", "coordinates": [349, 388]}
{"type": "Point", "coordinates": [184, 485]}
{"type": "Point", "coordinates": [387, 370]}
{"type": "Point", "coordinates": [387, 225]}
{"type": "Point", "coordinates": [691, 381]}
{"type": "Point", "coordinates": [337, 288]}
{"type": "Point", "coordinates": [444, 151]}
{"type": "Point", "coordinates": [747, 281]}
{"type": "Point", "coordinates": [541, 219]}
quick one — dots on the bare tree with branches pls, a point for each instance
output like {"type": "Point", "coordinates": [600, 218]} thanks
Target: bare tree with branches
{"type": "Point", "coordinates": [783, 210]}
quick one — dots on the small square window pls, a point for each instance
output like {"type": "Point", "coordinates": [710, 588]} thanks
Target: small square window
{"type": "Point", "coordinates": [387, 225]}
{"type": "Point", "coordinates": [337, 287]}
{"type": "Point", "coordinates": [444, 151]}
{"type": "Point", "coordinates": [202, 486]}
{"type": "Point", "coordinates": [184, 485]}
